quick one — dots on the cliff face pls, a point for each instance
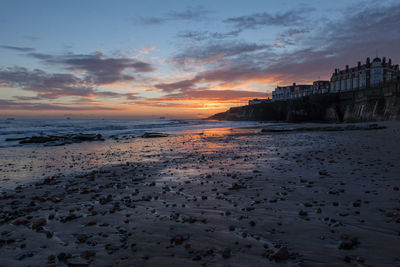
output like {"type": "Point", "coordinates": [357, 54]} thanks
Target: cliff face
{"type": "Point", "coordinates": [374, 104]}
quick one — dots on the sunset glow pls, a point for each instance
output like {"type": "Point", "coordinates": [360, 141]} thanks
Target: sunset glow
{"type": "Point", "coordinates": [181, 59]}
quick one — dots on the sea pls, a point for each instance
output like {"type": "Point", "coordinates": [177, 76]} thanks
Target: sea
{"type": "Point", "coordinates": [25, 163]}
{"type": "Point", "coordinates": [15, 128]}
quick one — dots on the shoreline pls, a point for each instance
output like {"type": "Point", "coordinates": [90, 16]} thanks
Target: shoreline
{"type": "Point", "coordinates": [232, 197]}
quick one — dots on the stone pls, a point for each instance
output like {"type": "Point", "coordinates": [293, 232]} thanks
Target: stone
{"type": "Point", "coordinates": [226, 253]}
{"type": "Point", "coordinates": [303, 213]}
{"type": "Point", "coordinates": [154, 135]}
{"type": "Point", "coordinates": [39, 223]}
{"type": "Point", "coordinates": [281, 254]}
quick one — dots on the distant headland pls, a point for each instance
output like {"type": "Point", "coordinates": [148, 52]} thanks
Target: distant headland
{"type": "Point", "coordinates": [365, 92]}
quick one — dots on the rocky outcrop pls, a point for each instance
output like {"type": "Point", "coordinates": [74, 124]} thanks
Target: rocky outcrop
{"type": "Point", "coordinates": [374, 104]}
{"type": "Point", "coordinates": [57, 140]}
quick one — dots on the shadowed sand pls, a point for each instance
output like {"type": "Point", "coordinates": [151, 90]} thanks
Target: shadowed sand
{"type": "Point", "coordinates": [222, 198]}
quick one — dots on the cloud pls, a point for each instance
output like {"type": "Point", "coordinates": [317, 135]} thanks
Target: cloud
{"type": "Point", "coordinates": [213, 52]}
{"type": "Point", "coordinates": [197, 36]}
{"type": "Point", "coordinates": [184, 85]}
{"type": "Point", "coordinates": [256, 20]}
{"type": "Point", "coordinates": [52, 86]}
{"type": "Point", "coordinates": [31, 37]}
{"type": "Point", "coordinates": [214, 95]}
{"type": "Point", "coordinates": [195, 13]}
{"type": "Point", "coordinates": [14, 105]}
{"type": "Point", "coordinates": [99, 69]}
{"type": "Point", "coordinates": [17, 48]}
{"type": "Point", "coordinates": [211, 100]}
{"type": "Point", "coordinates": [315, 51]}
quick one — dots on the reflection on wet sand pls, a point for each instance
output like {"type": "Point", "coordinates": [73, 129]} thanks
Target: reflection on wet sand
{"type": "Point", "coordinates": [220, 197]}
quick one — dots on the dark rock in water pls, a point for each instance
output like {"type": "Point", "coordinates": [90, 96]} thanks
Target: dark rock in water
{"type": "Point", "coordinates": [281, 254]}
{"type": "Point", "coordinates": [154, 135]}
{"type": "Point", "coordinates": [58, 140]}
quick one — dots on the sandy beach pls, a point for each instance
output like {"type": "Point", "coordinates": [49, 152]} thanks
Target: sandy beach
{"type": "Point", "coordinates": [224, 197]}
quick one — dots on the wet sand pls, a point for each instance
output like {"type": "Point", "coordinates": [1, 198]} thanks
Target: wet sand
{"type": "Point", "coordinates": [221, 198]}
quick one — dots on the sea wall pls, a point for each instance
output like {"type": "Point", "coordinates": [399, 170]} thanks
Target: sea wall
{"type": "Point", "coordinates": [379, 103]}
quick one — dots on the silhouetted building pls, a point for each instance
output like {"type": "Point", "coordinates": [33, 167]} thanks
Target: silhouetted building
{"type": "Point", "coordinates": [363, 75]}
{"type": "Point", "coordinates": [258, 101]}
{"type": "Point", "coordinates": [291, 92]}
{"type": "Point", "coordinates": [321, 87]}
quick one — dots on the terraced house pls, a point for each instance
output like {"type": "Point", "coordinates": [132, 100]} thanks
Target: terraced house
{"type": "Point", "coordinates": [363, 75]}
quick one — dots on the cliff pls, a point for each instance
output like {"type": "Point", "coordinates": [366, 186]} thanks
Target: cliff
{"type": "Point", "coordinates": [379, 103]}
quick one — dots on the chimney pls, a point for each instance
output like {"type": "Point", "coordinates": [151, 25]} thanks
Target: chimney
{"type": "Point", "coordinates": [358, 64]}
{"type": "Point", "coordinates": [368, 61]}
{"type": "Point", "coordinates": [383, 61]}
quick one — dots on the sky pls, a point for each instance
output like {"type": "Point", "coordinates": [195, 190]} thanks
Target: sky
{"type": "Point", "coordinates": [179, 59]}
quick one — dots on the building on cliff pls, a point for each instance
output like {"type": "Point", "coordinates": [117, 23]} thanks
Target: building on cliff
{"type": "Point", "coordinates": [291, 91]}
{"type": "Point", "coordinates": [258, 101]}
{"type": "Point", "coordinates": [363, 75]}
{"type": "Point", "coordinates": [321, 87]}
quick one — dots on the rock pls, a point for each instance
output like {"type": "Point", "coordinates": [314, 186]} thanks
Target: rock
{"type": "Point", "coordinates": [303, 213]}
{"type": "Point", "coordinates": [154, 135]}
{"type": "Point", "coordinates": [39, 223]}
{"type": "Point", "coordinates": [55, 140]}
{"type": "Point", "coordinates": [64, 256]}
{"type": "Point", "coordinates": [87, 254]}
{"type": "Point", "coordinates": [281, 254]}
{"type": "Point", "coordinates": [81, 238]}
{"type": "Point", "coordinates": [360, 259]}
{"type": "Point", "coordinates": [196, 258]}
{"type": "Point", "coordinates": [347, 243]}
{"type": "Point", "coordinates": [226, 253]}
{"type": "Point", "coordinates": [51, 258]}
{"type": "Point", "coordinates": [21, 221]}
{"type": "Point", "coordinates": [178, 239]}
{"type": "Point", "coordinates": [236, 186]}
{"type": "Point", "coordinates": [78, 264]}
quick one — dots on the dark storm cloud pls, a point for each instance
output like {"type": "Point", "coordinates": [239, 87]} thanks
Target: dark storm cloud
{"type": "Point", "coordinates": [52, 86]}
{"type": "Point", "coordinates": [190, 13]}
{"type": "Point", "coordinates": [99, 69]}
{"type": "Point", "coordinates": [17, 48]}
